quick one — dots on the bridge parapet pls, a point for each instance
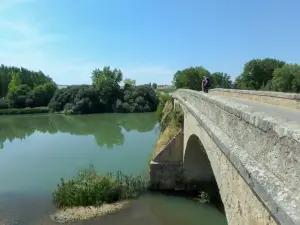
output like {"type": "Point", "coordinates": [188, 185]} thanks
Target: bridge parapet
{"type": "Point", "coordinates": [291, 100]}
{"type": "Point", "coordinates": [265, 150]}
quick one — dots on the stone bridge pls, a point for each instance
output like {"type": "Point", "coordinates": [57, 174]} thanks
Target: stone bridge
{"type": "Point", "coordinates": [248, 142]}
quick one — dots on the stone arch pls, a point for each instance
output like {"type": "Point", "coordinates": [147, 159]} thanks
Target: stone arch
{"type": "Point", "coordinates": [196, 164]}
{"type": "Point", "coordinates": [198, 172]}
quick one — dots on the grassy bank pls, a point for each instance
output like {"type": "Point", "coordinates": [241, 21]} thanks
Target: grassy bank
{"type": "Point", "coordinates": [15, 111]}
{"type": "Point", "coordinates": [170, 118]}
{"type": "Point", "coordinates": [166, 90]}
{"type": "Point", "coordinates": [91, 194]}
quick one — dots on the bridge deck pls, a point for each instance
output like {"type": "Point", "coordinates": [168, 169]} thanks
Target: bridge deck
{"type": "Point", "coordinates": [272, 110]}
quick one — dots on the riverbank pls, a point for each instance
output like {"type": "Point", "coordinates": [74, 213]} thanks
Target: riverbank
{"type": "Point", "coordinates": [87, 213]}
{"type": "Point", "coordinates": [170, 118]}
{"type": "Point", "coordinates": [16, 111]}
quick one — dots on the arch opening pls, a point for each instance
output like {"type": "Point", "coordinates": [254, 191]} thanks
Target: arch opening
{"type": "Point", "coordinates": [198, 174]}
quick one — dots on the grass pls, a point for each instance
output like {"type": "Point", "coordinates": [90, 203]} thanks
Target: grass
{"type": "Point", "coordinates": [15, 111]}
{"type": "Point", "coordinates": [167, 90]}
{"type": "Point", "coordinates": [165, 137]}
{"type": "Point", "coordinates": [170, 118]}
{"type": "Point", "coordinates": [88, 188]}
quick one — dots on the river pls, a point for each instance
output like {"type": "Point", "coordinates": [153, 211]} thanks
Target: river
{"type": "Point", "coordinates": [37, 150]}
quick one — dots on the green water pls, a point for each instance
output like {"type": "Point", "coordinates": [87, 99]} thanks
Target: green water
{"type": "Point", "coordinates": [37, 150]}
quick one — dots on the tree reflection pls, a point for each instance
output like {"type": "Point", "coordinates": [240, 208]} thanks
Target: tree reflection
{"type": "Point", "coordinates": [107, 129]}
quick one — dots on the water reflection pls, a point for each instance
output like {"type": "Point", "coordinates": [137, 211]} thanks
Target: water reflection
{"type": "Point", "coordinates": [106, 128]}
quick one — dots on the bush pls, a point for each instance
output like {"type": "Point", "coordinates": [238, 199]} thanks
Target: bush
{"type": "Point", "coordinates": [163, 99]}
{"type": "Point", "coordinates": [14, 111]}
{"type": "Point", "coordinates": [3, 104]}
{"type": "Point", "coordinates": [88, 188]}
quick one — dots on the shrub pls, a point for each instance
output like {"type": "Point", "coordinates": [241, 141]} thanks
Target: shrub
{"type": "Point", "coordinates": [88, 188]}
{"type": "Point", "coordinates": [3, 104]}
{"type": "Point", "coordinates": [14, 111]}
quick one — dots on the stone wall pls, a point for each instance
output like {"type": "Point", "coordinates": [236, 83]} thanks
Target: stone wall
{"type": "Point", "coordinates": [172, 152]}
{"type": "Point", "coordinates": [165, 176]}
{"type": "Point", "coordinates": [166, 167]}
{"type": "Point", "coordinates": [290, 100]}
{"type": "Point", "coordinates": [264, 152]}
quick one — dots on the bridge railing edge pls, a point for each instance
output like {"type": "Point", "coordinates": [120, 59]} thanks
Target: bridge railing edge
{"type": "Point", "coordinates": [274, 94]}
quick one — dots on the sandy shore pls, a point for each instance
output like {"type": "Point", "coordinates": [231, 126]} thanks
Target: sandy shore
{"type": "Point", "coordinates": [86, 213]}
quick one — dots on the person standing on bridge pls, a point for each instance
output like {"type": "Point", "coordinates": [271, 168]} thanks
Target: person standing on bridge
{"type": "Point", "coordinates": [205, 84]}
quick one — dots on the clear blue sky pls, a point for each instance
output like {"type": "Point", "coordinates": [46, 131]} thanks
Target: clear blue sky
{"type": "Point", "coordinates": [149, 40]}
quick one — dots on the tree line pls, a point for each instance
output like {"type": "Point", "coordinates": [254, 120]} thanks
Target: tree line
{"type": "Point", "coordinates": [258, 74]}
{"type": "Point", "coordinates": [20, 87]}
{"type": "Point", "coordinates": [28, 77]}
{"type": "Point", "coordinates": [23, 88]}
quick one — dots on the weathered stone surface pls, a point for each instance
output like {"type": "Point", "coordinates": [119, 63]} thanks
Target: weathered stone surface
{"type": "Point", "coordinates": [254, 157]}
{"type": "Point", "coordinates": [290, 100]}
{"type": "Point", "coordinates": [172, 152]}
{"type": "Point", "coordinates": [165, 176]}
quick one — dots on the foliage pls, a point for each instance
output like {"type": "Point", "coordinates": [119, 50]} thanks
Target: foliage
{"type": "Point", "coordinates": [24, 76]}
{"type": "Point", "coordinates": [104, 95]}
{"type": "Point", "coordinates": [172, 116]}
{"type": "Point", "coordinates": [163, 99]}
{"type": "Point", "coordinates": [166, 90]}
{"type": "Point", "coordinates": [221, 80]}
{"type": "Point", "coordinates": [87, 99]}
{"type": "Point", "coordinates": [3, 103]}
{"type": "Point", "coordinates": [20, 96]}
{"type": "Point", "coordinates": [171, 122]}
{"type": "Point", "coordinates": [137, 99]}
{"type": "Point", "coordinates": [130, 82]}
{"type": "Point", "coordinates": [14, 82]}
{"type": "Point", "coordinates": [154, 85]}
{"type": "Point", "coordinates": [14, 111]}
{"type": "Point", "coordinates": [76, 99]}
{"type": "Point", "coordinates": [190, 78]}
{"type": "Point", "coordinates": [257, 73]}
{"type": "Point", "coordinates": [107, 81]}
{"type": "Point", "coordinates": [89, 188]}
{"type": "Point", "coordinates": [41, 95]}
{"type": "Point", "coordinates": [287, 78]}
{"type": "Point", "coordinates": [23, 88]}
{"type": "Point", "coordinates": [17, 95]}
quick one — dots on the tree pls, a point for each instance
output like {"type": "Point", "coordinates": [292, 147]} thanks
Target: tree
{"type": "Point", "coordinates": [154, 85]}
{"type": "Point", "coordinates": [107, 81]}
{"type": "Point", "coordinates": [106, 78]}
{"type": "Point", "coordinates": [25, 76]}
{"type": "Point", "coordinates": [141, 98]}
{"type": "Point", "coordinates": [257, 73]}
{"type": "Point", "coordinates": [287, 78]}
{"type": "Point", "coordinates": [17, 96]}
{"type": "Point", "coordinates": [190, 78]}
{"type": "Point", "coordinates": [221, 80]}
{"type": "Point", "coordinates": [41, 95]}
{"type": "Point", "coordinates": [129, 82]}
{"type": "Point", "coordinates": [15, 82]}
